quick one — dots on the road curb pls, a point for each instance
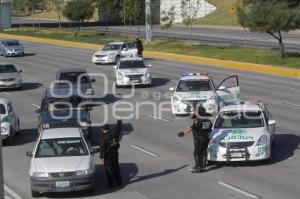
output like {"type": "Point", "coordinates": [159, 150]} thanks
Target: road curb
{"type": "Point", "coordinates": [267, 69]}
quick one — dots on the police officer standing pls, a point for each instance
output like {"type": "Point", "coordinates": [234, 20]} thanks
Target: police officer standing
{"type": "Point", "coordinates": [109, 146]}
{"type": "Point", "coordinates": [201, 129]}
{"type": "Point", "coordinates": [139, 46]}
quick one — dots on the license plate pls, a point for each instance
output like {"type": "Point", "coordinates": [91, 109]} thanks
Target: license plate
{"type": "Point", "coordinates": [236, 155]}
{"type": "Point", "coordinates": [63, 184]}
{"type": "Point", "coordinates": [135, 81]}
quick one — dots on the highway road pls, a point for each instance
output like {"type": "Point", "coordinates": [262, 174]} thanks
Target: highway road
{"type": "Point", "coordinates": [161, 169]}
{"type": "Point", "coordinates": [205, 34]}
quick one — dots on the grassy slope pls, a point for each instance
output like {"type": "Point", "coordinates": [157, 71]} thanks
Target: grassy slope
{"type": "Point", "coordinates": [259, 56]}
{"type": "Point", "coordinates": [222, 15]}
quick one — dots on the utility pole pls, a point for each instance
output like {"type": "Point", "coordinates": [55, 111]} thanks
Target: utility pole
{"type": "Point", "coordinates": [1, 168]}
{"type": "Point", "coordinates": [149, 34]}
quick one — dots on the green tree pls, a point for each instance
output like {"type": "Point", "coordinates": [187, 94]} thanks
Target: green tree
{"type": "Point", "coordinates": [270, 16]}
{"type": "Point", "coordinates": [189, 12]}
{"type": "Point", "coordinates": [58, 6]}
{"type": "Point", "coordinates": [78, 11]}
{"type": "Point", "coordinates": [167, 19]}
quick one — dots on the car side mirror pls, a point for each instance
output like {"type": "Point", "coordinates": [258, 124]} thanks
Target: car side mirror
{"type": "Point", "coordinates": [172, 89]}
{"type": "Point", "coordinates": [149, 66]}
{"type": "Point", "coordinates": [115, 67]}
{"type": "Point", "coordinates": [95, 150]}
{"type": "Point", "coordinates": [29, 154]}
{"type": "Point", "coordinates": [222, 88]}
{"type": "Point", "coordinates": [272, 122]}
{"type": "Point", "coordinates": [38, 111]}
{"type": "Point", "coordinates": [93, 80]}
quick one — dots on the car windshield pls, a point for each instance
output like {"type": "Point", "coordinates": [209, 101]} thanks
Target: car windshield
{"type": "Point", "coordinates": [62, 147]}
{"type": "Point", "coordinates": [8, 69]}
{"type": "Point", "coordinates": [194, 85]}
{"type": "Point", "coordinates": [131, 46]}
{"type": "Point", "coordinates": [2, 109]}
{"type": "Point", "coordinates": [59, 104]}
{"type": "Point", "coordinates": [12, 43]}
{"type": "Point", "coordinates": [73, 77]}
{"type": "Point", "coordinates": [112, 47]}
{"type": "Point", "coordinates": [131, 64]}
{"type": "Point", "coordinates": [234, 119]}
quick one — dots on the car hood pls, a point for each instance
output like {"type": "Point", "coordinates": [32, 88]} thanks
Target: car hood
{"type": "Point", "coordinates": [134, 71]}
{"type": "Point", "coordinates": [237, 135]}
{"type": "Point", "coordinates": [9, 75]}
{"type": "Point", "coordinates": [72, 117]}
{"type": "Point", "coordinates": [62, 164]}
{"type": "Point", "coordinates": [107, 52]}
{"type": "Point", "coordinates": [194, 95]}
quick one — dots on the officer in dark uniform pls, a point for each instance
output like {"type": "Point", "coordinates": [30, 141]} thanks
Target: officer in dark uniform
{"type": "Point", "coordinates": [139, 46]}
{"type": "Point", "coordinates": [109, 146]}
{"type": "Point", "coordinates": [201, 129]}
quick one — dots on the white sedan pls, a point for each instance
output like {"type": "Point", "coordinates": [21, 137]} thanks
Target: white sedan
{"type": "Point", "coordinates": [132, 71]}
{"type": "Point", "coordinates": [62, 161]}
{"type": "Point", "coordinates": [10, 123]}
{"type": "Point", "coordinates": [243, 132]}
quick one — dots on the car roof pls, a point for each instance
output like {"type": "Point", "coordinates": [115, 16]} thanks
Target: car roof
{"type": "Point", "coordinates": [59, 93]}
{"type": "Point", "coordinates": [242, 107]}
{"type": "Point", "coordinates": [61, 133]}
{"type": "Point", "coordinates": [72, 70]}
{"type": "Point", "coordinates": [117, 43]}
{"type": "Point", "coordinates": [4, 101]}
{"type": "Point", "coordinates": [195, 77]}
{"type": "Point", "coordinates": [132, 59]}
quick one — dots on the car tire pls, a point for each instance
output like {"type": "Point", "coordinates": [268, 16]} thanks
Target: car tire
{"type": "Point", "coordinates": [19, 129]}
{"type": "Point", "coordinates": [10, 139]}
{"type": "Point", "coordinates": [35, 194]}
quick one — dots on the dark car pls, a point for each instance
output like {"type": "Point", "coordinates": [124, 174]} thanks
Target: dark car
{"type": "Point", "coordinates": [74, 81]}
{"type": "Point", "coordinates": [60, 112]}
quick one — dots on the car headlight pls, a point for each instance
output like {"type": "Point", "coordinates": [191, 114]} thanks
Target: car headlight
{"type": "Point", "coordinates": [40, 174]}
{"type": "Point", "coordinates": [263, 140]}
{"type": "Point", "coordinates": [3, 130]}
{"type": "Point", "coordinates": [119, 75]}
{"type": "Point", "coordinates": [147, 74]}
{"type": "Point", "coordinates": [84, 172]}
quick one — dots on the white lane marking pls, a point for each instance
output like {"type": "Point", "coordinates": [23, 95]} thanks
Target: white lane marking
{"type": "Point", "coordinates": [287, 87]}
{"type": "Point", "coordinates": [144, 151]}
{"type": "Point", "coordinates": [34, 105]}
{"type": "Point", "coordinates": [291, 104]}
{"type": "Point", "coordinates": [7, 93]}
{"type": "Point", "coordinates": [12, 193]}
{"type": "Point", "coordinates": [236, 189]}
{"type": "Point", "coordinates": [159, 118]}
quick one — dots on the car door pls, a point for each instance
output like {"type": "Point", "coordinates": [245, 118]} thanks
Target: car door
{"type": "Point", "coordinates": [270, 123]}
{"type": "Point", "coordinates": [11, 116]}
{"type": "Point", "coordinates": [228, 91]}
{"type": "Point", "coordinates": [124, 50]}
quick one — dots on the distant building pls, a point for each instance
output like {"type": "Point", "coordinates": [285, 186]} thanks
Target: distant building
{"type": "Point", "coordinates": [204, 8]}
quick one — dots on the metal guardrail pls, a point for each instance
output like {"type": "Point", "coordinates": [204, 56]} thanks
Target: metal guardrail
{"type": "Point", "coordinates": [6, 1]}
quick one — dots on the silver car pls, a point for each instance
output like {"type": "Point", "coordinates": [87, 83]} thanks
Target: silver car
{"type": "Point", "coordinates": [10, 77]}
{"type": "Point", "coordinates": [11, 47]}
{"type": "Point", "coordinates": [9, 120]}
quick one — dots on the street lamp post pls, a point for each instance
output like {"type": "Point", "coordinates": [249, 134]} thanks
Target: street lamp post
{"type": "Point", "coordinates": [149, 34]}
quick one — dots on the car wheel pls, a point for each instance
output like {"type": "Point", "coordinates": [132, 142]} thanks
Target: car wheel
{"type": "Point", "coordinates": [35, 194]}
{"type": "Point", "coordinates": [18, 130]}
{"type": "Point", "coordinates": [10, 139]}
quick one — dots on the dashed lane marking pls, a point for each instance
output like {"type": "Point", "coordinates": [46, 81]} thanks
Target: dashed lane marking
{"type": "Point", "coordinates": [238, 190]}
{"type": "Point", "coordinates": [7, 93]}
{"type": "Point", "coordinates": [36, 106]}
{"type": "Point", "coordinates": [12, 193]}
{"type": "Point", "coordinates": [159, 118]}
{"type": "Point", "coordinates": [144, 151]}
{"type": "Point", "coordinates": [291, 104]}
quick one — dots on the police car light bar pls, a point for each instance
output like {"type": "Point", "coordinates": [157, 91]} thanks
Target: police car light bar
{"type": "Point", "coordinates": [184, 74]}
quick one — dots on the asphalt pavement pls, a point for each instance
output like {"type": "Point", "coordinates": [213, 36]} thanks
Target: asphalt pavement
{"type": "Point", "coordinates": [154, 161]}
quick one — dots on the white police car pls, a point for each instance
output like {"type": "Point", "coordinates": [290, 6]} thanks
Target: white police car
{"type": "Point", "coordinates": [198, 89]}
{"type": "Point", "coordinates": [243, 132]}
{"type": "Point", "coordinates": [132, 71]}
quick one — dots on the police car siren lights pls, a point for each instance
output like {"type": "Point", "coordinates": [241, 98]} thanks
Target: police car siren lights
{"type": "Point", "coordinates": [184, 74]}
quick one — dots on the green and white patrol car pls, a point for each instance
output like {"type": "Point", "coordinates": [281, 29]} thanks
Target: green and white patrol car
{"type": "Point", "coordinates": [243, 132]}
{"type": "Point", "coordinates": [198, 89]}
